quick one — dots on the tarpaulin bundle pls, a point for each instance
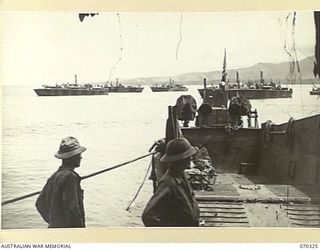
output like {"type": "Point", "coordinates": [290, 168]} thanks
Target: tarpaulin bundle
{"type": "Point", "coordinates": [186, 108]}
{"type": "Point", "coordinates": [239, 106]}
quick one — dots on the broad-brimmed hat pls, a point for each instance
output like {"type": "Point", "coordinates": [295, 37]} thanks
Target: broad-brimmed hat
{"type": "Point", "coordinates": [178, 149]}
{"type": "Point", "coordinates": [69, 147]}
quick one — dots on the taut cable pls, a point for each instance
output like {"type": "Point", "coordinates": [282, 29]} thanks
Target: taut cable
{"type": "Point", "coordinates": [82, 178]}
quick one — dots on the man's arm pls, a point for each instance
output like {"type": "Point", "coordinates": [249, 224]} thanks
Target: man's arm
{"type": "Point", "coordinates": [70, 198]}
{"type": "Point", "coordinates": [42, 204]}
{"type": "Point", "coordinates": [156, 209]}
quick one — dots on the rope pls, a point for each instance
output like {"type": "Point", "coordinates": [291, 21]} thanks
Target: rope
{"type": "Point", "coordinates": [114, 167]}
{"type": "Point", "coordinates": [82, 178]}
{"type": "Point", "coordinates": [231, 129]}
{"type": "Point", "coordinates": [139, 189]}
{"type": "Point", "coordinates": [121, 49]}
{"type": "Point", "coordinates": [290, 133]}
{"type": "Point", "coordinates": [20, 198]}
{"type": "Point", "coordinates": [266, 133]}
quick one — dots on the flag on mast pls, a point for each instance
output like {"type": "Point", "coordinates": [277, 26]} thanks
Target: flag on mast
{"type": "Point", "coordinates": [224, 71]}
{"type": "Point", "coordinates": [261, 77]}
{"type": "Point", "coordinates": [237, 77]}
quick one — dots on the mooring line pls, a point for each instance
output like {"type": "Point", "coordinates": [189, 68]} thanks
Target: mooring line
{"type": "Point", "coordinates": [120, 52]}
{"type": "Point", "coordinates": [116, 166]}
{"type": "Point", "coordinates": [82, 178]}
{"type": "Point", "coordinates": [140, 187]}
{"type": "Point", "coordinates": [20, 198]}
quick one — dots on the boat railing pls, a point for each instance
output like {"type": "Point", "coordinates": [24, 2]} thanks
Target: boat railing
{"type": "Point", "coordinates": [52, 87]}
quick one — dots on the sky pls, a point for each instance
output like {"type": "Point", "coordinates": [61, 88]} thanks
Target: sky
{"type": "Point", "coordinates": [51, 47]}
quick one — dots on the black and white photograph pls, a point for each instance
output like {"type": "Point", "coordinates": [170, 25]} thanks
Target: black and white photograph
{"type": "Point", "coordinates": [160, 119]}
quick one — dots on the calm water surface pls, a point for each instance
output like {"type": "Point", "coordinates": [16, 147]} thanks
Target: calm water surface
{"type": "Point", "coordinates": [114, 128]}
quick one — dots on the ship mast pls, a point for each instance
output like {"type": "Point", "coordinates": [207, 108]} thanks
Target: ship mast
{"type": "Point", "coordinates": [224, 71]}
{"type": "Point", "coordinates": [238, 79]}
{"type": "Point", "coordinates": [261, 77]}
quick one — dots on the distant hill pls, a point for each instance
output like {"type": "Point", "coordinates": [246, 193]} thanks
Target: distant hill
{"type": "Point", "coordinates": [274, 71]}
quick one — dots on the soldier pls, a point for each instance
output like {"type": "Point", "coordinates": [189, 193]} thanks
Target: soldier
{"type": "Point", "coordinates": [60, 202]}
{"type": "Point", "coordinates": [173, 203]}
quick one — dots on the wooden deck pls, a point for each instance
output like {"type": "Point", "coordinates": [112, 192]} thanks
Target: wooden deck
{"type": "Point", "coordinates": [240, 201]}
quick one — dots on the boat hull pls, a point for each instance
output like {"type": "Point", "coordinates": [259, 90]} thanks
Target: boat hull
{"type": "Point", "coordinates": [253, 93]}
{"type": "Point", "coordinates": [265, 177]}
{"type": "Point", "coordinates": [293, 158]}
{"type": "Point", "coordinates": [285, 155]}
{"type": "Point", "coordinates": [70, 92]}
{"type": "Point", "coordinates": [165, 89]}
{"type": "Point", "coordinates": [126, 89]}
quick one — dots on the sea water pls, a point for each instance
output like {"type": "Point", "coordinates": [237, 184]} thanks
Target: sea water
{"type": "Point", "coordinates": [114, 128]}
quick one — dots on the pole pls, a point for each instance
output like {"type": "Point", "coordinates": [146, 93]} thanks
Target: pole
{"type": "Point", "coordinates": [204, 89]}
{"type": "Point", "coordinates": [114, 167]}
{"type": "Point", "coordinates": [82, 178]}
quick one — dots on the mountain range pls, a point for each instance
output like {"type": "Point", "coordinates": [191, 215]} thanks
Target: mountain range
{"type": "Point", "coordinates": [274, 71]}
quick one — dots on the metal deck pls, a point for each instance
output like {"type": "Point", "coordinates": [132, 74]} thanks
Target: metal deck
{"type": "Point", "coordinates": [242, 201]}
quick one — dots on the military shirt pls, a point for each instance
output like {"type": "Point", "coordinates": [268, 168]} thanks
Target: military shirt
{"type": "Point", "coordinates": [60, 203]}
{"type": "Point", "coordinates": [172, 204]}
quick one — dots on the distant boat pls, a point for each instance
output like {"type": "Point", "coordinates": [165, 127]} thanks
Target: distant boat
{"type": "Point", "coordinates": [125, 89]}
{"type": "Point", "coordinates": [71, 89]}
{"type": "Point", "coordinates": [171, 86]}
{"type": "Point", "coordinates": [263, 93]}
{"type": "Point", "coordinates": [121, 88]}
{"type": "Point", "coordinates": [261, 90]}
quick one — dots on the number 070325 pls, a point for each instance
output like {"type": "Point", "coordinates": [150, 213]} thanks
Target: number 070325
{"type": "Point", "coordinates": [309, 246]}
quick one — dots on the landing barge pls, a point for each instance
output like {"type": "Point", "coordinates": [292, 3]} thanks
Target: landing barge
{"type": "Point", "coordinates": [266, 176]}
{"type": "Point", "coordinates": [171, 86]}
{"type": "Point", "coordinates": [70, 91]}
{"type": "Point", "coordinates": [261, 90]}
{"type": "Point", "coordinates": [74, 89]}
{"type": "Point", "coordinates": [253, 93]}
{"type": "Point", "coordinates": [125, 89]}
{"type": "Point", "coordinates": [121, 88]}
